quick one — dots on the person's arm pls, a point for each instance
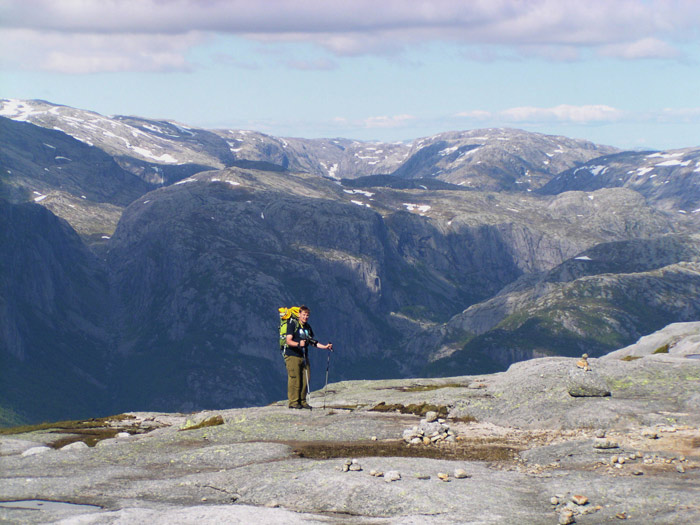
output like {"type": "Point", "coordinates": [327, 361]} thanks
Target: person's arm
{"type": "Point", "coordinates": [294, 344]}
{"type": "Point", "coordinates": [329, 346]}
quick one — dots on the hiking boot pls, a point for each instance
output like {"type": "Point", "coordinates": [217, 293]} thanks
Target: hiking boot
{"type": "Point", "coordinates": [295, 405]}
{"type": "Point", "coordinates": [306, 405]}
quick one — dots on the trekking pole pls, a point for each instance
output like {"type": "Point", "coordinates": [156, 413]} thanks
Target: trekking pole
{"type": "Point", "coordinates": [308, 387]}
{"type": "Point", "coordinates": [328, 365]}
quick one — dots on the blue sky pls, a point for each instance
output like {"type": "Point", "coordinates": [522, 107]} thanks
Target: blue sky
{"type": "Point", "coordinates": [619, 72]}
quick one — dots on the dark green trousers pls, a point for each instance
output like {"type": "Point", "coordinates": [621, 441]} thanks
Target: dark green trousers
{"type": "Point", "coordinates": [297, 377]}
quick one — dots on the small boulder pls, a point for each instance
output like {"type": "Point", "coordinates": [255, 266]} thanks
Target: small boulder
{"type": "Point", "coordinates": [431, 416]}
{"type": "Point", "coordinates": [35, 450]}
{"type": "Point", "coordinates": [78, 445]}
{"type": "Point", "coordinates": [392, 475]}
{"type": "Point", "coordinates": [566, 517]}
{"type": "Point", "coordinates": [579, 499]}
{"type": "Point", "coordinates": [605, 444]}
{"type": "Point", "coordinates": [586, 383]}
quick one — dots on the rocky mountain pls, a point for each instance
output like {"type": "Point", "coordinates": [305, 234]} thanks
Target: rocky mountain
{"type": "Point", "coordinates": [670, 179]}
{"type": "Point", "coordinates": [161, 152]}
{"type": "Point", "coordinates": [484, 159]}
{"type": "Point", "coordinates": [78, 182]}
{"type": "Point", "coordinates": [604, 298]}
{"type": "Point", "coordinates": [496, 159]}
{"type": "Point", "coordinates": [195, 238]}
{"type": "Point", "coordinates": [198, 266]}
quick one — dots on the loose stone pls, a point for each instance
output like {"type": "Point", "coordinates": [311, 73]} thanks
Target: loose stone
{"type": "Point", "coordinates": [604, 444]}
{"type": "Point", "coordinates": [680, 468]}
{"type": "Point", "coordinates": [392, 475]}
{"type": "Point", "coordinates": [554, 500]}
{"type": "Point", "coordinates": [566, 517]}
{"type": "Point", "coordinates": [637, 472]}
{"type": "Point", "coordinates": [579, 499]}
{"type": "Point", "coordinates": [431, 416]}
{"type": "Point", "coordinates": [460, 473]}
{"type": "Point", "coordinates": [443, 476]}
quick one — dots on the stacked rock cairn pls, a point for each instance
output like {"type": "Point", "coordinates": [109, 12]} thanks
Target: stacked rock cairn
{"type": "Point", "coordinates": [430, 430]}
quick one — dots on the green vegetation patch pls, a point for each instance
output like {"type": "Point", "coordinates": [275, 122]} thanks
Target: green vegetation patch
{"type": "Point", "coordinates": [89, 431]}
{"type": "Point", "coordinates": [425, 388]}
{"type": "Point", "coordinates": [662, 349]}
{"type": "Point", "coordinates": [66, 426]}
{"type": "Point", "coordinates": [630, 358]}
{"type": "Point", "coordinates": [208, 422]}
{"type": "Point", "coordinates": [415, 409]}
{"type": "Point", "coordinates": [468, 450]}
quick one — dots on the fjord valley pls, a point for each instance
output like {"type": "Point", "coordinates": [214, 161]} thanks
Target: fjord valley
{"type": "Point", "coordinates": [143, 260]}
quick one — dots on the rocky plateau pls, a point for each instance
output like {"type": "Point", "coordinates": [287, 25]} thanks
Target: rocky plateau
{"type": "Point", "coordinates": [550, 440]}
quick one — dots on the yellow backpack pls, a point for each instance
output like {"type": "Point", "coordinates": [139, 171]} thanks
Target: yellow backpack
{"type": "Point", "coordinates": [285, 314]}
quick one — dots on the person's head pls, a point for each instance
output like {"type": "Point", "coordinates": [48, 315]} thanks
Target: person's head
{"type": "Point", "coordinates": [304, 313]}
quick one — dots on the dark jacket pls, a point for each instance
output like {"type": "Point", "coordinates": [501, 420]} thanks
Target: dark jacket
{"type": "Point", "coordinates": [298, 333]}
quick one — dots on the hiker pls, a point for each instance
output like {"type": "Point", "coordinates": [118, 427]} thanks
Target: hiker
{"type": "Point", "coordinates": [296, 357]}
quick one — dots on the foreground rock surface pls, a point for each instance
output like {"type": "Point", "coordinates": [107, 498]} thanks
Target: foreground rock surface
{"type": "Point", "coordinates": [524, 451]}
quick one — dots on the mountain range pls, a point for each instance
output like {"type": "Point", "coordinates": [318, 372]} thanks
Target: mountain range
{"type": "Point", "coordinates": [143, 260]}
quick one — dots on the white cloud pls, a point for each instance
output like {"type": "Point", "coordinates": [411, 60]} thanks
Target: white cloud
{"type": "Point", "coordinates": [585, 114]}
{"type": "Point", "coordinates": [562, 113]}
{"type": "Point", "coordinates": [94, 32]}
{"type": "Point", "coordinates": [644, 48]}
{"type": "Point", "coordinates": [95, 53]}
{"type": "Point", "coordinates": [387, 121]}
{"type": "Point", "coordinates": [476, 114]}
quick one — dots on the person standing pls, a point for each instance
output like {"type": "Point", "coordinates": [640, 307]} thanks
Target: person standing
{"type": "Point", "coordinates": [296, 358]}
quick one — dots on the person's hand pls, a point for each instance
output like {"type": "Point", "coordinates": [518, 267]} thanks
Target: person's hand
{"type": "Point", "coordinates": [302, 343]}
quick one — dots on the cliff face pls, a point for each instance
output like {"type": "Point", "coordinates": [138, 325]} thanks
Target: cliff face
{"type": "Point", "coordinates": [54, 300]}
